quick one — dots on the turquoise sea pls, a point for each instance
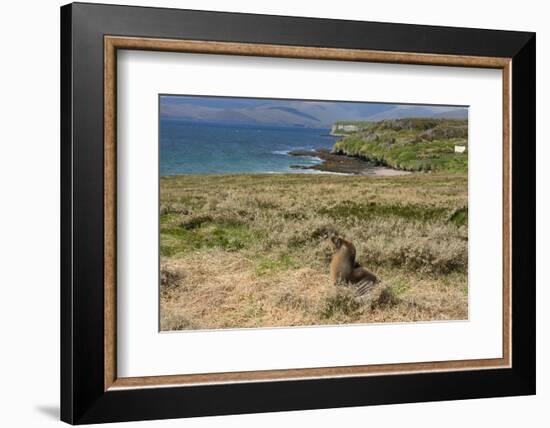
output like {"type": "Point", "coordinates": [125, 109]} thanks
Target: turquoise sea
{"type": "Point", "coordinates": [217, 148]}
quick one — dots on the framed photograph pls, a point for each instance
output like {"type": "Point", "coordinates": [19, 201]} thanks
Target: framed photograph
{"type": "Point", "coordinates": [266, 213]}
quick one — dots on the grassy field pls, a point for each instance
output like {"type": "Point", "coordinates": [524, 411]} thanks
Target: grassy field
{"type": "Point", "coordinates": [250, 250]}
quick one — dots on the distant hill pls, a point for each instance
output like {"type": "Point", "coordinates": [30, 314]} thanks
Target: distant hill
{"type": "Point", "coordinates": [313, 114]}
{"type": "Point", "coordinates": [405, 111]}
{"type": "Point", "coordinates": [453, 114]}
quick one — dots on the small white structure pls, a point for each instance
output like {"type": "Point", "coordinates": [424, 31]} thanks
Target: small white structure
{"type": "Point", "coordinates": [460, 149]}
{"type": "Point", "coordinates": [344, 128]}
{"type": "Point", "coordinates": [350, 128]}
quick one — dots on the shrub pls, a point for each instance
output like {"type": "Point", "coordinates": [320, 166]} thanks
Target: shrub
{"type": "Point", "coordinates": [195, 222]}
{"type": "Point", "coordinates": [172, 321]}
{"type": "Point", "coordinates": [170, 278]}
{"type": "Point", "coordinates": [388, 297]}
{"type": "Point", "coordinates": [340, 302]}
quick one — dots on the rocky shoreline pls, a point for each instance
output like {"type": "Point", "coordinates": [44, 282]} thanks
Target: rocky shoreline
{"type": "Point", "coordinates": [343, 164]}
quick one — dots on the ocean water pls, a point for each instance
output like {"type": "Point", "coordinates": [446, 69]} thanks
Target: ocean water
{"type": "Point", "coordinates": [213, 148]}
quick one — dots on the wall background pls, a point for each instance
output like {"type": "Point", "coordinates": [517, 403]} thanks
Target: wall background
{"type": "Point", "coordinates": [29, 214]}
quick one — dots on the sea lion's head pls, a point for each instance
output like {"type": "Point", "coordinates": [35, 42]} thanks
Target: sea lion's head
{"type": "Point", "coordinates": [335, 241]}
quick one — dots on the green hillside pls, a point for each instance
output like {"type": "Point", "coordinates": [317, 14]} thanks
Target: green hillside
{"type": "Point", "coordinates": [412, 144]}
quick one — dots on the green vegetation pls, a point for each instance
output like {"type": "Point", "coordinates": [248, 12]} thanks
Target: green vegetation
{"type": "Point", "coordinates": [267, 266]}
{"type": "Point", "coordinates": [201, 233]}
{"type": "Point", "coordinates": [460, 217]}
{"type": "Point", "coordinates": [413, 144]}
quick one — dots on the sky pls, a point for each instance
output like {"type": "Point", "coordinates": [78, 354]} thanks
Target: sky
{"type": "Point", "coordinates": [282, 112]}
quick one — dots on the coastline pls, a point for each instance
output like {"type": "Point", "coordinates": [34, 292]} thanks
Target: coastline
{"type": "Point", "coordinates": [328, 163]}
{"type": "Point", "coordinates": [343, 164]}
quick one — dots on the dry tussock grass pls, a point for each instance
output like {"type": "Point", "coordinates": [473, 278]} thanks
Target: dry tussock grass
{"type": "Point", "coordinates": [249, 250]}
